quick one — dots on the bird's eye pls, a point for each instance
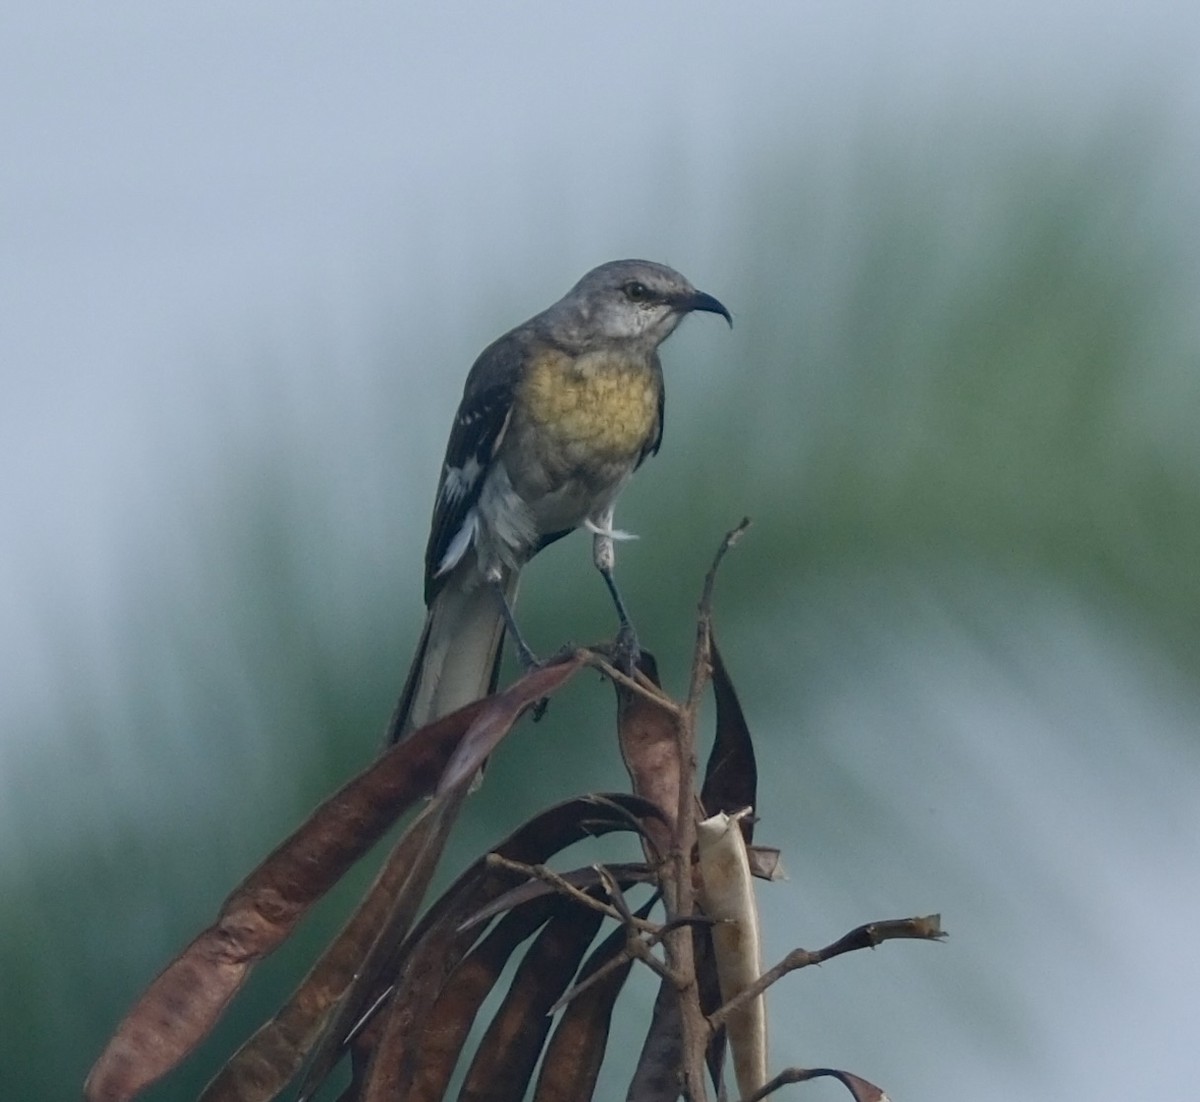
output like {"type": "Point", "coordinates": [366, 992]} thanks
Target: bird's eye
{"type": "Point", "coordinates": [636, 292]}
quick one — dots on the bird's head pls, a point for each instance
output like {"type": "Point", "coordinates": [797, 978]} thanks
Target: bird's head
{"type": "Point", "coordinates": [633, 302]}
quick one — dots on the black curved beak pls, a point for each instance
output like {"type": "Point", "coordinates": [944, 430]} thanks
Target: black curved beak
{"type": "Point", "coordinates": [698, 300]}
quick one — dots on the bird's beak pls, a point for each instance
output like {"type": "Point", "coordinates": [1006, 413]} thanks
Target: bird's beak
{"type": "Point", "coordinates": [698, 300]}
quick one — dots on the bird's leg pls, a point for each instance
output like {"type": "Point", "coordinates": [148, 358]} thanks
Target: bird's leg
{"type": "Point", "coordinates": [604, 556]}
{"type": "Point", "coordinates": [529, 660]}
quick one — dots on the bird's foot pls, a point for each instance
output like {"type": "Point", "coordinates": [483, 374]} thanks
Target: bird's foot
{"type": "Point", "coordinates": [560, 655]}
{"type": "Point", "coordinates": [529, 661]}
{"type": "Point", "coordinates": [626, 649]}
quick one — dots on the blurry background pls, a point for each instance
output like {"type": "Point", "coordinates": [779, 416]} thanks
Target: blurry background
{"type": "Point", "coordinates": [247, 254]}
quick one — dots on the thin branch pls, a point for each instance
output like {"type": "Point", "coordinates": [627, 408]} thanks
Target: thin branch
{"type": "Point", "coordinates": [640, 950]}
{"type": "Point", "coordinates": [856, 1085]}
{"type": "Point", "coordinates": [635, 944]}
{"type": "Point", "coordinates": [619, 811]}
{"type": "Point", "coordinates": [731, 537]}
{"type": "Point", "coordinates": [926, 928]}
{"type": "Point", "coordinates": [701, 665]}
{"type": "Point", "coordinates": [616, 895]}
{"type": "Point", "coordinates": [632, 951]}
{"type": "Point", "coordinates": [678, 889]}
{"type": "Point", "coordinates": [922, 928]}
{"type": "Point", "coordinates": [788, 1075]}
{"type": "Point", "coordinates": [639, 685]}
{"type": "Point", "coordinates": [565, 887]}
{"type": "Point", "coordinates": [619, 961]}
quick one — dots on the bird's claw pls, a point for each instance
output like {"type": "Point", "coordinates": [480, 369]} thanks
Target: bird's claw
{"type": "Point", "coordinates": [528, 660]}
{"type": "Point", "coordinates": [626, 649]}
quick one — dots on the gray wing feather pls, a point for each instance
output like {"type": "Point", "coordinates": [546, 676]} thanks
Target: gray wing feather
{"type": "Point", "coordinates": [478, 429]}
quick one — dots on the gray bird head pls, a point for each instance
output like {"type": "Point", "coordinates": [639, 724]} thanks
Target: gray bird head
{"type": "Point", "coordinates": [632, 302]}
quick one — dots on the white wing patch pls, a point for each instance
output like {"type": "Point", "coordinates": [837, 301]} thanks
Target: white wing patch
{"type": "Point", "coordinates": [459, 481]}
{"type": "Point", "coordinates": [462, 541]}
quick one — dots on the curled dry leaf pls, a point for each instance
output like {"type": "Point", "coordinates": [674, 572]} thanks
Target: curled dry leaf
{"type": "Point", "coordinates": [184, 1002]}
{"type": "Point", "coordinates": [624, 874]}
{"type": "Point", "coordinates": [261, 1068]}
{"type": "Point", "coordinates": [649, 742]}
{"type": "Point", "coordinates": [731, 775]}
{"type": "Point", "coordinates": [453, 1012]}
{"type": "Point", "coordinates": [413, 976]}
{"type": "Point", "coordinates": [860, 1090]}
{"type": "Point", "coordinates": [656, 1076]}
{"type": "Point", "coordinates": [766, 863]}
{"type": "Point", "coordinates": [401, 993]}
{"type": "Point", "coordinates": [727, 895]}
{"type": "Point", "coordinates": [573, 1057]}
{"type": "Point", "coordinates": [507, 1056]}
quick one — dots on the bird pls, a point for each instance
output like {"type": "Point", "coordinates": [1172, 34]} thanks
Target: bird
{"type": "Point", "coordinates": [556, 416]}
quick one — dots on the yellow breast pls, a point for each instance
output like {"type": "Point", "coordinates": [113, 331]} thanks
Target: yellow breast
{"type": "Point", "coordinates": [600, 402]}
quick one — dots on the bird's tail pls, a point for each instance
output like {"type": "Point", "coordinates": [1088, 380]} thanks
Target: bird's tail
{"type": "Point", "coordinates": [458, 657]}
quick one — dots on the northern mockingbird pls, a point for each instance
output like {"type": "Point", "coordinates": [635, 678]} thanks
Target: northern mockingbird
{"type": "Point", "coordinates": [555, 417]}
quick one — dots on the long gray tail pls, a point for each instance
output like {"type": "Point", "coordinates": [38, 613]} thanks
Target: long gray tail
{"type": "Point", "coordinates": [458, 657]}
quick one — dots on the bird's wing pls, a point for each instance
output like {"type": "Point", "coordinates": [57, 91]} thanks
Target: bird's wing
{"type": "Point", "coordinates": [478, 430]}
{"type": "Point", "coordinates": [653, 443]}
